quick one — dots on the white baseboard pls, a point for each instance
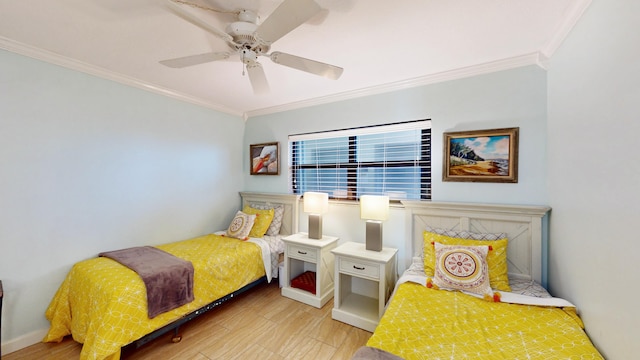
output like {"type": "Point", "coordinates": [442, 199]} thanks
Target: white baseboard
{"type": "Point", "coordinates": [23, 341]}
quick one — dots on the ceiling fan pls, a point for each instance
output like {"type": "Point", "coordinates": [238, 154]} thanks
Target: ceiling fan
{"type": "Point", "coordinates": [250, 40]}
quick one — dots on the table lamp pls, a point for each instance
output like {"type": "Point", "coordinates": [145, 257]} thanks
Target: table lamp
{"type": "Point", "coordinates": [316, 204]}
{"type": "Point", "coordinates": [374, 209]}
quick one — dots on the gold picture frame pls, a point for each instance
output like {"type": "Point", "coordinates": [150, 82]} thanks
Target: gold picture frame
{"type": "Point", "coordinates": [481, 156]}
{"type": "Point", "coordinates": [264, 159]}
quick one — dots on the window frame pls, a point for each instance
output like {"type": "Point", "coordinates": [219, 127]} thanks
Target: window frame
{"type": "Point", "coordinates": [352, 166]}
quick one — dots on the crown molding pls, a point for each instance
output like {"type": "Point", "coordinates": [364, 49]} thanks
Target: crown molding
{"type": "Point", "coordinates": [573, 15]}
{"type": "Point", "coordinates": [535, 58]}
{"type": "Point", "coordinates": [57, 59]}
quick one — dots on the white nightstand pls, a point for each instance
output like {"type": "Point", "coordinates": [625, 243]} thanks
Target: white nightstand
{"type": "Point", "coordinates": [364, 282]}
{"type": "Point", "coordinates": [303, 254]}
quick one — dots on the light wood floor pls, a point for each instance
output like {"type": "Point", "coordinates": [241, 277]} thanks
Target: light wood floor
{"type": "Point", "coordinates": [261, 324]}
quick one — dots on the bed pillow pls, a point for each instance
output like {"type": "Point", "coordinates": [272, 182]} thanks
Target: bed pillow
{"type": "Point", "coordinates": [241, 225]}
{"type": "Point", "coordinates": [528, 287]}
{"type": "Point", "coordinates": [262, 222]}
{"type": "Point", "coordinates": [459, 267]}
{"type": "Point", "coordinates": [496, 258]}
{"type": "Point", "coordinates": [463, 234]}
{"type": "Point", "coordinates": [278, 216]}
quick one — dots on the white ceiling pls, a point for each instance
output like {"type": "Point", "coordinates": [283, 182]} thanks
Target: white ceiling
{"type": "Point", "coordinates": [382, 45]}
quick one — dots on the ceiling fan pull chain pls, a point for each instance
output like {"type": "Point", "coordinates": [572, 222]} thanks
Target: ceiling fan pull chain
{"type": "Point", "coordinates": [244, 65]}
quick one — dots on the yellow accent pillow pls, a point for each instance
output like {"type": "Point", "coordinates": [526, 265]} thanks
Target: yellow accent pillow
{"type": "Point", "coordinates": [496, 258]}
{"type": "Point", "coordinates": [262, 222]}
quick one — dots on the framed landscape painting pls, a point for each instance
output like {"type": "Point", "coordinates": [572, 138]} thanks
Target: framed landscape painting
{"type": "Point", "coordinates": [264, 158]}
{"type": "Point", "coordinates": [481, 156]}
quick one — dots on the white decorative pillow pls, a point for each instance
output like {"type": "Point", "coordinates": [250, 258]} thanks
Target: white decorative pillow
{"type": "Point", "coordinates": [461, 267]}
{"type": "Point", "coordinates": [497, 258]}
{"type": "Point", "coordinates": [278, 215]}
{"type": "Point", "coordinates": [241, 225]}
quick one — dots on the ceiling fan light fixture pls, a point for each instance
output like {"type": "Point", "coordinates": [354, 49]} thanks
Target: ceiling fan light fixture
{"type": "Point", "coordinates": [248, 56]}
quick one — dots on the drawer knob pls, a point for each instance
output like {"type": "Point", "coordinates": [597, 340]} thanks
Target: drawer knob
{"type": "Point", "coordinates": [358, 268]}
{"type": "Point", "coordinates": [302, 252]}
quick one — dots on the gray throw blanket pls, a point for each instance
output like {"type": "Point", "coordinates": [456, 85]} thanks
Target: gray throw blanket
{"type": "Point", "coordinates": [370, 353]}
{"type": "Point", "coordinates": [168, 279]}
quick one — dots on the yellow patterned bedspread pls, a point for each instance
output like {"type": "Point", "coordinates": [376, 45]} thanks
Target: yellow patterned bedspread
{"type": "Point", "coordinates": [103, 304]}
{"type": "Point", "coordinates": [423, 323]}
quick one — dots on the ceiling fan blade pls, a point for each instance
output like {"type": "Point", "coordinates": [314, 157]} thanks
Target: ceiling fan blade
{"type": "Point", "coordinates": [195, 20]}
{"type": "Point", "coordinates": [257, 78]}
{"type": "Point", "coordinates": [191, 60]}
{"type": "Point", "coordinates": [286, 17]}
{"type": "Point", "coordinates": [311, 66]}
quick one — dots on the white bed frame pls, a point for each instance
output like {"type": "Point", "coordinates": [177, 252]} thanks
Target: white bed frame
{"type": "Point", "coordinates": [525, 225]}
{"type": "Point", "coordinates": [291, 204]}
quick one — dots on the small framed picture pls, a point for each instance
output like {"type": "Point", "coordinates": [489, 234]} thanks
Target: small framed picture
{"type": "Point", "coordinates": [264, 159]}
{"type": "Point", "coordinates": [481, 156]}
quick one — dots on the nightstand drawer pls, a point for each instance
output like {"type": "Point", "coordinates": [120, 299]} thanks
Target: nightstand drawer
{"type": "Point", "coordinates": [302, 252]}
{"type": "Point", "coordinates": [359, 268]}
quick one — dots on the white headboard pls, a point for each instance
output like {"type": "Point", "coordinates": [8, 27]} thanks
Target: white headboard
{"type": "Point", "coordinates": [290, 201]}
{"type": "Point", "coordinates": [525, 225]}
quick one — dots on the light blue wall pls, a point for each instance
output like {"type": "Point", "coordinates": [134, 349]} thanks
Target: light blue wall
{"type": "Point", "coordinates": [89, 165]}
{"type": "Point", "coordinates": [513, 98]}
{"type": "Point", "coordinates": [594, 173]}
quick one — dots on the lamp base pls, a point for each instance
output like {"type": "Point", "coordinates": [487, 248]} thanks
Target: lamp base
{"type": "Point", "coordinates": [315, 226]}
{"type": "Point", "coordinates": [373, 238]}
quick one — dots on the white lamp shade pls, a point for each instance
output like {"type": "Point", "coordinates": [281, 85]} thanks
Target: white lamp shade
{"type": "Point", "coordinates": [374, 207]}
{"type": "Point", "coordinates": [316, 202]}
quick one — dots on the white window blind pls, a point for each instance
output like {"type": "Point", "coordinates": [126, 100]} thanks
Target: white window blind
{"type": "Point", "coordinates": [393, 160]}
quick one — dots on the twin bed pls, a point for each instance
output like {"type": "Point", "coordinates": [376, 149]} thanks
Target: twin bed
{"type": "Point", "coordinates": [102, 303]}
{"type": "Point", "coordinates": [426, 320]}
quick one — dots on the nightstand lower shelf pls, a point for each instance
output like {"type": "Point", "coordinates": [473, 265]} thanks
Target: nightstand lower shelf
{"type": "Point", "coordinates": [306, 297]}
{"type": "Point", "coordinates": [358, 310]}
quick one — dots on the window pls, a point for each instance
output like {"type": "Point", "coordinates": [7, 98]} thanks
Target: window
{"type": "Point", "coordinates": [393, 160]}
